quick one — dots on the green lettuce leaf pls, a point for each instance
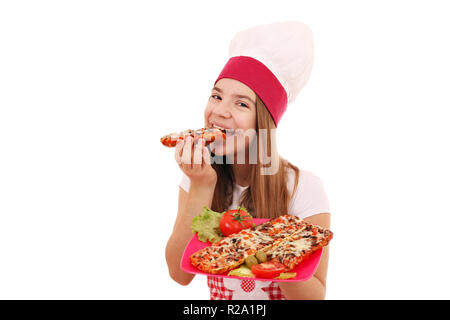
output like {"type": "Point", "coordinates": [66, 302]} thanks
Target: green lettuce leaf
{"type": "Point", "coordinates": [206, 225]}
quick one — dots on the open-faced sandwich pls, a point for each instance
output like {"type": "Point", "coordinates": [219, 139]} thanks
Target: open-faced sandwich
{"type": "Point", "coordinates": [266, 251]}
{"type": "Point", "coordinates": [208, 134]}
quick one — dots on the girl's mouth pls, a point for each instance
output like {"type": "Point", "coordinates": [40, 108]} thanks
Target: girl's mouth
{"type": "Point", "coordinates": [229, 132]}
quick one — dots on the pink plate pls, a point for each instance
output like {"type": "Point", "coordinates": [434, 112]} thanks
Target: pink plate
{"type": "Point", "coordinates": [304, 270]}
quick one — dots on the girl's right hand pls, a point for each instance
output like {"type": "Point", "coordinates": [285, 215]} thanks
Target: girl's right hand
{"type": "Point", "coordinates": [195, 161]}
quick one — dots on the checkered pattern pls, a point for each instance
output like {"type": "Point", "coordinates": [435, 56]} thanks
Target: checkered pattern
{"type": "Point", "coordinates": [218, 291]}
{"type": "Point", "coordinates": [248, 285]}
{"type": "Point", "coordinates": [274, 291]}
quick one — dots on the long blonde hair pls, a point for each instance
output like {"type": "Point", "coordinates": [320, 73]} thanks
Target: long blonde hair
{"type": "Point", "coordinates": [267, 195]}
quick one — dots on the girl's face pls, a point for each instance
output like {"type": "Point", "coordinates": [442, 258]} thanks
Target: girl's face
{"type": "Point", "coordinates": [232, 105]}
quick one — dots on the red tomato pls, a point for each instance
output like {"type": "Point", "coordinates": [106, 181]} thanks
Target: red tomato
{"type": "Point", "coordinates": [234, 221]}
{"type": "Point", "coordinates": [270, 269]}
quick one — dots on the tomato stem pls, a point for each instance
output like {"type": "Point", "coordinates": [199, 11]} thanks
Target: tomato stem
{"type": "Point", "coordinates": [239, 217]}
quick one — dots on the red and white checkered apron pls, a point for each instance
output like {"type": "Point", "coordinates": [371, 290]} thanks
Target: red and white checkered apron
{"type": "Point", "coordinates": [218, 291]}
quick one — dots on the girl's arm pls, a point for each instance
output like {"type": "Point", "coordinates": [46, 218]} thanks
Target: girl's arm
{"type": "Point", "coordinates": [189, 205]}
{"type": "Point", "coordinates": [195, 162]}
{"type": "Point", "coordinates": [314, 288]}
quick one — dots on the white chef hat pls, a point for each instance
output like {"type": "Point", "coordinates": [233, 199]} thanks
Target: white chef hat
{"type": "Point", "coordinates": [274, 60]}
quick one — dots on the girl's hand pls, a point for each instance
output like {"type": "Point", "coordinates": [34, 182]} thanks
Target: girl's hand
{"type": "Point", "coordinates": [195, 161]}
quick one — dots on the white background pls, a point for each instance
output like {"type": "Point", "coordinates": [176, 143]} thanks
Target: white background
{"type": "Point", "coordinates": [88, 195]}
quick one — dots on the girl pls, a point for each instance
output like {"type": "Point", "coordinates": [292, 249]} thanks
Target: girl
{"type": "Point", "coordinates": [249, 97]}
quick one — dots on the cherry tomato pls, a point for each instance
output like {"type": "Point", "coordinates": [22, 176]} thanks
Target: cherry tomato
{"type": "Point", "coordinates": [270, 269]}
{"type": "Point", "coordinates": [234, 221]}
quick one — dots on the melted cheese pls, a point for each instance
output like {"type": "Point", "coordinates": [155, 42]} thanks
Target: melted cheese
{"type": "Point", "coordinates": [301, 244]}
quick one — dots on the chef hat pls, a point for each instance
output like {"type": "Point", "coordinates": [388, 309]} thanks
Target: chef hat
{"type": "Point", "coordinates": [274, 60]}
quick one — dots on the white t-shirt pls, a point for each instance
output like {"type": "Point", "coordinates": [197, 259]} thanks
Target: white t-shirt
{"type": "Point", "coordinates": [309, 199]}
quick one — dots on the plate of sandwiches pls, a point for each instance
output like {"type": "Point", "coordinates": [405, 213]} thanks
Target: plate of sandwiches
{"type": "Point", "coordinates": [287, 241]}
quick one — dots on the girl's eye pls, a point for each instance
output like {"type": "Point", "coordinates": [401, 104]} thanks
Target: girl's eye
{"type": "Point", "coordinates": [215, 96]}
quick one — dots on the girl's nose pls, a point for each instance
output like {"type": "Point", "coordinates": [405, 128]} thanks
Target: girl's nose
{"type": "Point", "coordinates": [223, 110]}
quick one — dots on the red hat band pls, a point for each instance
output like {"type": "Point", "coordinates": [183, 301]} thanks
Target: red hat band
{"type": "Point", "coordinates": [261, 80]}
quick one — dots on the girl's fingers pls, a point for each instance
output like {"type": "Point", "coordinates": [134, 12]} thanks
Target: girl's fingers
{"type": "Point", "coordinates": [179, 151]}
{"type": "Point", "coordinates": [206, 156]}
{"type": "Point", "coordinates": [186, 157]}
{"type": "Point", "coordinates": [190, 155]}
{"type": "Point", "coordinates": [198, 153]}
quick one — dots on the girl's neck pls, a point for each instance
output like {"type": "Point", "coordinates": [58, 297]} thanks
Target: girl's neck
{"type": "Point", "coordinates": [241, 174]}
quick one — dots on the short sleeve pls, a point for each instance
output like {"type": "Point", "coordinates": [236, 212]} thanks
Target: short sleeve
{"type": "Point", "coordinates": [310, 197]}
{"type": "Point", "coordinates": [185, 182]}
